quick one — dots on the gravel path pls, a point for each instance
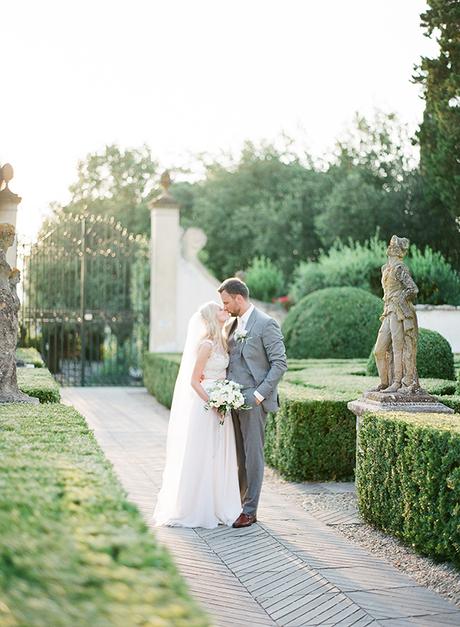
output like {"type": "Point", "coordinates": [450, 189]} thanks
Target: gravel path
{"type": "Point", "coordinates": [326, 497]}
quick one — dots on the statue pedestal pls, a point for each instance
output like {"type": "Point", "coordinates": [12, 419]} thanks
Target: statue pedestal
{"type": "Point", "coordinates": [376, 402]}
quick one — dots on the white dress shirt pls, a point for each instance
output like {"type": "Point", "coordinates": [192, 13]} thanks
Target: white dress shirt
{"type": "Point", "coordinates": [242, 322]}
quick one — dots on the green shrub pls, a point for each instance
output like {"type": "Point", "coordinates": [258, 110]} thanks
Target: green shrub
{"type": "Point", "coordinates": [264, 279]}
{"type": "Point", "coordinates": [39, 382]}
{"type": "Point", "coordinates": [437, 281]}
{"type": "Point", "coordinates": [340, 322]}
{"type": "Point", "coordinates": [408, 479]}
{"type": "Point", "coordinates": [160, 373]}
{"type": "Point", "coordinates": [434, 357]}
{"type": "Point", "coordinates": [458, 383]}
{"type": "Point", "coordinates": [353, 264]}
{"type": "Point", "coordinates": [359, 265]}
{"type": "Point", "coordinates": [30, 356]}
{"type": "Point", "coordinates": [311, 438]}
{"type": "Point", "coordinates": [73, 550]}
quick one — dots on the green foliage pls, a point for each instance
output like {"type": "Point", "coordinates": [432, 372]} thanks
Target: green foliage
{"type": "Point", "coordinates": [160, 373]}
{"type": "Point", "coordinates": [437, 281]}
{"type": "Point", "coordinates": [352, 264]}
{"type": "Point", "coordinates": [30, 356]}
{"type": "Point", "coordinates": [434, 357]}
{"type": "Point", "coordinates": [340, 322]}
{"type": "Point", "coordinates": [408, 479]}
{"type": "Point", "coordinates": [238, 199]}
{"type": "Point", "coordinates": [264, 279]}
{"type": "Point", "coordinates": [39, 383]}
{"type": "Point", "coordinates": [73, 550]}
{"type": "Point", "coordinates": [359, 265]}
{"type": "Point", "coordinates": [311, 439]}
{"type": "Point", "coordinates": [439, 133]}
{"type": "Point", "coordinates": [115, 183]}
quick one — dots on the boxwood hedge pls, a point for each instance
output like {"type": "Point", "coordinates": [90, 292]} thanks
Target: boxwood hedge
{"type": "Point", "coordinates": [30, 356]}
{"type": "Point", "coordinates": [39, 382]}
{"type": "Point", "coordinates": [333, 322]}
{"type": "Point", "coordinates": [73, 550]}
{"type": "Point", "coordinates": [408, 479]}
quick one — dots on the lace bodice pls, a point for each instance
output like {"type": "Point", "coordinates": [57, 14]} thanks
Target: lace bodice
{"type": "Point", "coordinates": [216, 366]}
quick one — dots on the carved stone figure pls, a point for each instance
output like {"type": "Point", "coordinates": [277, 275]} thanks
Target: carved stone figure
{"type": "Point", "coordinates": [396, 347]}
{"type": "Point", "coordinates": [9, 307]}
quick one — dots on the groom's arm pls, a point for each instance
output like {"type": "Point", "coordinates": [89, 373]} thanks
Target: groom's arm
{"type": "Point", "coordinates": [272, 340]}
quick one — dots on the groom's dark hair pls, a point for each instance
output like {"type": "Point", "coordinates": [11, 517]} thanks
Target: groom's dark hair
{"type": "Point", "coordinates": [234, 286]}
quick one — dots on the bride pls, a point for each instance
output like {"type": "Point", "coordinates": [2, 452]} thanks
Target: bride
{"type": "Point", "coordinates": [200, 480]}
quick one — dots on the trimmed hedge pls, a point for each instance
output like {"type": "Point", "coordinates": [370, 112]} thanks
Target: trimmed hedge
{"type": "Point", "coordinates": [160, 373]}
{"type": "Point", "coordinates": [434, 357]}
{"type": "Point", "coordinates": [408, 479]}
{"type": "Point", "coordinates": [313, 436]}
{"type": "Point", "coordinates": [336, 322]}
{"type": "Point", "coordinates": [73, 550]}
{"type": "Point", "coordinates": [30, 356]}
{"type": "Point", "coordinates": [39, 382]}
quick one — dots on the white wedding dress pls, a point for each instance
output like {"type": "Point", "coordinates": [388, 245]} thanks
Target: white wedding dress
{"type": "Point", "coordinates": [200, 481]}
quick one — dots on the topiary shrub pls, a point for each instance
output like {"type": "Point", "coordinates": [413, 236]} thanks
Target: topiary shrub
{"type": "Point", "coordinates": [264, 279]}
{"type": "Point", "coordinates": [435, 359]}
{"type": "Point", "coordinates": [340, 322]}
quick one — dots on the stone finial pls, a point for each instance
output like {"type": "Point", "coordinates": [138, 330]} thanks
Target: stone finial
{"type": "Point", "coordinates": [6, 195]}
{"type": "Point", "coordinates": [165, 199]}
{"type": "Point", "coordinates": [7, 173]}
{"type": "Point", "coordinates": [165, 181]}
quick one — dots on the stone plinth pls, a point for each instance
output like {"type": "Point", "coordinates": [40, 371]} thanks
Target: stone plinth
{"type": "Point", "coordinates": [377, 402]}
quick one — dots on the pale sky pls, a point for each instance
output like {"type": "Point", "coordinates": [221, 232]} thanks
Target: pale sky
{"type": "Point", "coordinates": [190, 76]}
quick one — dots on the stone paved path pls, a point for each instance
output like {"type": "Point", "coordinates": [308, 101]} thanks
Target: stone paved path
{"type": "Point", "coordinates": [290, 569]}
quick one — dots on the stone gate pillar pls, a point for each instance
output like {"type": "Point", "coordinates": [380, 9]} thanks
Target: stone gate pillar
{"type": "Point", "coordinates": [164, 260]}
{"type": "Point", "coordinates": [9, 202]}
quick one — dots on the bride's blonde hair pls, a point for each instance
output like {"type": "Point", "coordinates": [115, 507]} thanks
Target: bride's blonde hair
{"type": "Point", "coordinates": [214, 331]}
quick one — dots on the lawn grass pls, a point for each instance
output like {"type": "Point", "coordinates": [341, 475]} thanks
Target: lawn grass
{"type": "Point", "coordinates": [73, 551]}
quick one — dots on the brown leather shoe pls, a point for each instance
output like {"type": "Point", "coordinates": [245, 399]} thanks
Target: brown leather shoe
{"type": "Point", "coordinates": [244, 520]}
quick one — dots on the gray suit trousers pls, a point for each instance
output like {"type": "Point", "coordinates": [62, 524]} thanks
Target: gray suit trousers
{"type": "Point", "coordinates": [250, 435]}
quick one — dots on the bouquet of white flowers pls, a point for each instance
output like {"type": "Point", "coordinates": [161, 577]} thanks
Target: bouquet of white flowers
{"type": "Point", "coordinates": [224, 396]}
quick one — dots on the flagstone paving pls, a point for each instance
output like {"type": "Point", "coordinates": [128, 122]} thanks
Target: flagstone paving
{"type": "Point", "coordinates": [290, 569]}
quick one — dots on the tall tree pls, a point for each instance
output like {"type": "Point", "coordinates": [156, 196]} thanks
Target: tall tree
{"type": "Point", "coordinates": [118, 183]}
{"type": "Point", "coordinates": [439, 133]}
{"type": "Point", "coordinates": [261, 204]}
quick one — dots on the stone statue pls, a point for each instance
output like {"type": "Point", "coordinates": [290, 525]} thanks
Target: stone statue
{"type": "Point", "coordinates": [396, 347]}
{"type": "Point", "coordinates": [9, 308]}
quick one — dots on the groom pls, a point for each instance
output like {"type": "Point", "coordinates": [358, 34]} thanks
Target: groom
{"type": "Point", "coordinates": [257, 363]}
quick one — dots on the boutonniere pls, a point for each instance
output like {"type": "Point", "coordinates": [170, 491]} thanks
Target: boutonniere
{"type": "Point", "coordinates": [242, 336]}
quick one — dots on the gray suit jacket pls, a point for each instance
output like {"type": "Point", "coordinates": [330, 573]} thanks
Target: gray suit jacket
{"type": "Point", "coordinates": [259, 361]}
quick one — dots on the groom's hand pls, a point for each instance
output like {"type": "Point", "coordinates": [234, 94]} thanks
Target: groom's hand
{"type": "Point", "coordinates": [257, 401]}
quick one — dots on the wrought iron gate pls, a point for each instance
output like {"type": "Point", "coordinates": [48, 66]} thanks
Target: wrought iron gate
{"type": "Point", "coordinates": [85, 303]}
